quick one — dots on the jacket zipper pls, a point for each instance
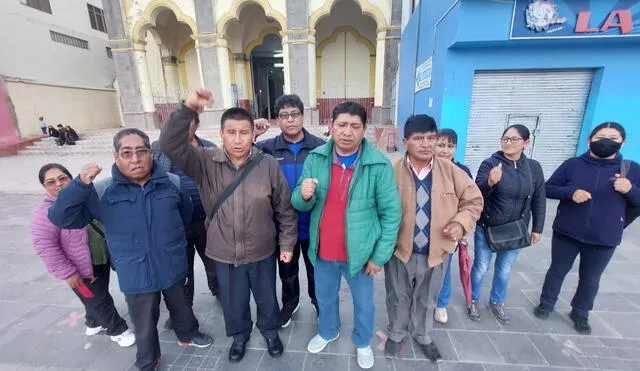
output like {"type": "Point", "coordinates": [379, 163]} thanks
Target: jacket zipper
{"type": "Point", "coordinates": [591, 201]}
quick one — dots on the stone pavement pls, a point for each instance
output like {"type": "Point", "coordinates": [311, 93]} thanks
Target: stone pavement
{"type": "Point", "coordinates": [41, 321]}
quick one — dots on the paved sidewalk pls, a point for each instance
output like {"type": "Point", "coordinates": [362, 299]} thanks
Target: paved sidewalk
{"type": "Point", "coordinates": [41, 321]}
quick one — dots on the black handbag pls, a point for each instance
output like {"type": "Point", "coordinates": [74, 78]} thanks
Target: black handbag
{"type": "Point", "coordinates": [512, 235]}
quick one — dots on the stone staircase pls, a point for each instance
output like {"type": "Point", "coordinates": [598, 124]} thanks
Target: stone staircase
{"type": "Point", "coordinates": [101, 141]}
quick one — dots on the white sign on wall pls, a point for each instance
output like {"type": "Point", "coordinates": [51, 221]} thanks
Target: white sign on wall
{"type": "Point", "coordinates": [423, 75]}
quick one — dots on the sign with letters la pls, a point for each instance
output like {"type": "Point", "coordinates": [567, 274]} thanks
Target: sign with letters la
{"type": "Point", "coordinates": [568, 19]}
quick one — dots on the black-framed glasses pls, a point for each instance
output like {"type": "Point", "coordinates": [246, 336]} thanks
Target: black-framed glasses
{"type": "Point", "coordinates": [128, 154]}
{"type": "Point", "coordinates": [53, 182]}
{"type": "Point", "coordinates": [293, 115]}
{"type": "Point", "coordinates": [514, 140]}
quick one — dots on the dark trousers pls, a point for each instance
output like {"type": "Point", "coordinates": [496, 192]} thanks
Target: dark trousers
{"type": "Point", "coordinates": [236, 285]}
{"type": "Point", "coordinates": [100, 310]}
{"type": "Point", "coordinates": [289, 276]}
{"type": "Point", "coordinates": [593, 260]}
{"type": "Point", "coordinates": [197, 242]}
{"type": "Point", "coordinates": [144, 310]}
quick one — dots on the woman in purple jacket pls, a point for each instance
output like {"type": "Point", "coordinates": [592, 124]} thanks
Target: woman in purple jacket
{"type": "Point", "coordinates": [67, 255]}
{"type": "Point", "coordinates": [595, 191]}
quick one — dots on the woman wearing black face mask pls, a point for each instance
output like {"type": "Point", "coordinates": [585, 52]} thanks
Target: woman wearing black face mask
{"type": "Point", "coordinates": [594, 191]}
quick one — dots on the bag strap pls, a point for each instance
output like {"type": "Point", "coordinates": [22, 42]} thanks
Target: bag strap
{"type": "Point", "coordinates": [236, 182]}
{"type": "Point", "coordinates": [625, 165]}
{"type": "Point", "coordinates": [97, 229]}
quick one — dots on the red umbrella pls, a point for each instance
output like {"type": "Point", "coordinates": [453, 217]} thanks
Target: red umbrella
{"type": "Point", "coordinates": [464, 262]}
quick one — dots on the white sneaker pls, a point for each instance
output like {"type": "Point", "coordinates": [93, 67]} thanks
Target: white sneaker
{"type": "Point", "coordinates": [90, 331]}
{"type": "Point", "coordinates": [126, 339]}
{"type": "Point", "coordinates": [318, 343]}
{"type": "Point", "coordinates": [365, 357]}
{"type": "Point", "coordinates": [441, 315]}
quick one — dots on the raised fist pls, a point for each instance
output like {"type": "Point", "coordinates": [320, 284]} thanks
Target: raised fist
{"type": "Point", "coordinates": [89, 173]}
{"type": "Point", "coordinates": [308, 188]}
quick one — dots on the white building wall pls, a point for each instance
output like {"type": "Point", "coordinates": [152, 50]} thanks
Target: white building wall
{"type": "Point", "coordinates": [30, 54]}
{"type": "Point", "coordinates": [63, 83]}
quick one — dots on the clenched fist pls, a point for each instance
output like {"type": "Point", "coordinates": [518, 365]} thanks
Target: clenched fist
{"type": "Point", "coordinates": [261, 126]}
{"type": "Point", "coordinates": [580, 196]}
{"type": "Point", "coordinates": [495, 175]}
{"type": "Point", "coordinates": [308, 188]}
{"type": "Point", "coordinates": [622, 185]}
{"type": "Point", "coordinates": [198, 100]}
{"type": "Point", "coordinates": [89, 173]}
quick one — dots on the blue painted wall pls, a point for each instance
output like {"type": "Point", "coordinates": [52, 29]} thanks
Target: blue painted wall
{"type": "Point", "coordinates": [475, 36]}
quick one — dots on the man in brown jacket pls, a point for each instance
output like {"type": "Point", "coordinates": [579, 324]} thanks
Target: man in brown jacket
{"type": "Point", "coordinates": [440, 204]}
{"type": "Point", "coordinates": [241, 235]}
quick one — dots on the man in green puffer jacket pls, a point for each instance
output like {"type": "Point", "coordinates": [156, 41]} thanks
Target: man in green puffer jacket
{"type": "Point", "coordinates": [350, 188]}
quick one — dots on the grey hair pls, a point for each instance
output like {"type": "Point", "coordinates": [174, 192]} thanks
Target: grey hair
{"type": "Point", "coordinates": [130, 131]}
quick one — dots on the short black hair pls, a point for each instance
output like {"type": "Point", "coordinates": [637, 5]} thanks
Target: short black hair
{"type": "Point", "coordinates": [47, 167]}
{"type": "Point", "coordinates": [351, 108]}
{"type": "Point", "coordinates": [41, 118]}
{"type": "Point", "coordinates": [450, 135]}
{"type": "Point", "coordinates": [419, 124]}
{"type": "Point", "coordinates": [236, 113]}
{"type": "Point", "coordinates": [289, 100]}
{"type": "Point", "coordinates": [130, 131]}
{"type": "Point", "coordinates": [522, 130]}
{"type": "Point", "coordinates": [611, 125]}
{"type": "Point", "coordinates": [60, 126]}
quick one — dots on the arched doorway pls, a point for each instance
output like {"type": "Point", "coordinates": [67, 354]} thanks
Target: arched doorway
{"type": "Point", "coordinates": [268, 76]}
{"type": "Point", "coordinates": [171, 69]}
{"type": "Point", "coordinates": [257, 77]}
{"type": "Point", "coordinates": [345, 58]}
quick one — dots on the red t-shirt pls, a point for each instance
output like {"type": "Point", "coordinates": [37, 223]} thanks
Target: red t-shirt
{"type": "Point", "coordinates": [333, 243]}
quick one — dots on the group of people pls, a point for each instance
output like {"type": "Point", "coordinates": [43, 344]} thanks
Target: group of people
{"type": "Point", "coordinates": [62, 135]}
{"type": "Point", "coordinates": [249, 206]}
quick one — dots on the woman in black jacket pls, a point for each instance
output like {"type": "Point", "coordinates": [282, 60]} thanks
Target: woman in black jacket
{"type": "Point", "coordinates": [595, 191]}
{"type": "Point", "coordinates": [508, 180]}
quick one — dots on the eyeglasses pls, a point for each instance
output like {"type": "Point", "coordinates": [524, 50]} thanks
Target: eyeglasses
{"type": "Point", "coordinates": [510, 140]}
{"type": "Point", "coordinates": [128, 155]}
{"type": "Point", "coordinates": [293, 115]}
{"type": "Point", "coordinates": [53, 182]}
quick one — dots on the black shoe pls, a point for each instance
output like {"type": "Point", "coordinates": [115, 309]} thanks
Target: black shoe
{"type": "Point", "coordinates": [541, 312]}
{"type": "Point", "coordinates": [474, 311]}
{"type": "Point", "coordinates": [581, 324]}
{"type": "Point", "coordinates": [200, 340]}
{"type": "Point", "coordinates": [392, 348]}
{"type": "Point", "coordinates": [286, 316]}
{"type": "Point", "coordinates": [274, 346]}
{"type": "Point", "coordinates": [168, 325]}
{"type": "Point", "coordinates": [238, 348]}
{"type": "Point", "coordinates": [431, 351]}
{"type": "Point", "coordinates": [497, 309]}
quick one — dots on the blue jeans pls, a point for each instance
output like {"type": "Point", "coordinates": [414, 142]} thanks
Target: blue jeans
{"type": "Point", "coordinates": [328, 275]}
{"type": "Point", "coordinates": [445, 291]}
{"type": "Point", "coordinates": [481, 262]}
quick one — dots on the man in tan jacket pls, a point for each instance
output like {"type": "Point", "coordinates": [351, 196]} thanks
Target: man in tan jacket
{"type": "Point", "coordinates": [440, 204]}
{"type": "Point", "coordinates": [241, 235]}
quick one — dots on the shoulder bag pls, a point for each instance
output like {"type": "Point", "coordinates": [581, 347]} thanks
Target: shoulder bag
{"type": "Point", "coordinates": [513, 235]}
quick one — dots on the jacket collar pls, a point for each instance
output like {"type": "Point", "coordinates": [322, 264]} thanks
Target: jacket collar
{"type": "Point", "coordinates": [158, 175]}
{"type": "Point", "coordinates": [600, 161]}
{"type": "Point", "coordinates": [306, 141]}
{"type": "Point", "coordinates": [368, 155]}
{"type": "Point", "coordinates": [204, 143]}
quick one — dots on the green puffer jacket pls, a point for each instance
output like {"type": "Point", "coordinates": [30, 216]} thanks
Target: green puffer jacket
{"type": "Point", "coordinates": [373, 210]}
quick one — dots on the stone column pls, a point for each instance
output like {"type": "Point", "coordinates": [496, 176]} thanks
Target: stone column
{"type": "Point", "coordinates": [171, 78]}
{"type": "Point", "coordinates": [388, 69]}
{"type": "Point", "coordinates": [245, 93]}
{"type": "Point", "coordinates": [207, 45]}
{"type": "Point", "coordinates": [298, 47]}
{"type": "Point", "coordinates": [131, 70]}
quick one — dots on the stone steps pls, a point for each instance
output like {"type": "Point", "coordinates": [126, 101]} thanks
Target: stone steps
{"type": "Point", "coordinates": [101, 141]}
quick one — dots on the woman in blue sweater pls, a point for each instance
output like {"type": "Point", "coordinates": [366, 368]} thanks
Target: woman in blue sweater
{"type": "Point", "coordinates": [594, 190]}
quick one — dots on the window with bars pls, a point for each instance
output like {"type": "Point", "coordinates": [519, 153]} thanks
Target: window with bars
{"type": "Point", "coordinates": [41, 5]}
{"type": "Point", "coordinates": [96, 17]}
{"type": "Point", "coordinates": [69, 40]}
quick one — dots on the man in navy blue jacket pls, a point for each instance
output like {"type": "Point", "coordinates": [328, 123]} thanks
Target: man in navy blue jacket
{"type": "Point", "coordinates": [291, 149]}
{"type": "Point", "coordinates": [143, 213]}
